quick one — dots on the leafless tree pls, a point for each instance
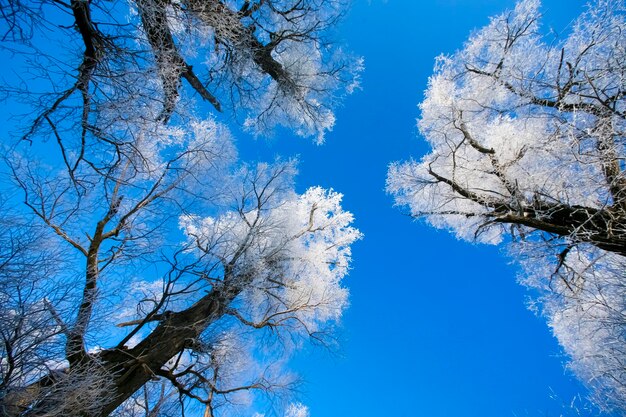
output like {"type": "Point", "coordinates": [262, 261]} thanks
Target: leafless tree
{"type": "Point", "coordinates": [141, 265]}
{"type": "Point", "coordinates": [528, 147]}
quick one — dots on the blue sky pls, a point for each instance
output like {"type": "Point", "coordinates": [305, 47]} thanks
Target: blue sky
{"type": "Point", "coordinates": [436, 327]}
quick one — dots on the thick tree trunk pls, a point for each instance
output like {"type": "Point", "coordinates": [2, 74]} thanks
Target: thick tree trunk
{"type": "Point", "coordinates": [126, 370]}
{"type": "Point", "coordinates": [131, 369]}
{"type": "Point", "coordinates": [605, 229]}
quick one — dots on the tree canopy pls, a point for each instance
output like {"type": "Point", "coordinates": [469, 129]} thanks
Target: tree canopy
{"type": "Point", "coordinates": [527, 138]}
{"type": "Point", "coordinates": [144, 270]}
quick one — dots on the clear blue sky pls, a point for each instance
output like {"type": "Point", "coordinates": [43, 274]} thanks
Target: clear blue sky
{"type": "Point", "coordinates": [436, 327]}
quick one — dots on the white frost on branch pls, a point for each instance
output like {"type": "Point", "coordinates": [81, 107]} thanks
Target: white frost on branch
{"type": "Point", "coordinates": [297, 410]}
{"type": "Point", "coordinates": [294, 249]}
{"type": "Point", "coordinates": [527, 147]}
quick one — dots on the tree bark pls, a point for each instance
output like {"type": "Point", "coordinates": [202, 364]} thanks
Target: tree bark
{"type": "Point", "coordinates": [133, 368]}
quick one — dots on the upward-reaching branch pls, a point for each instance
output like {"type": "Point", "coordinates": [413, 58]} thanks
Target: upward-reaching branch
{"type": "Point", "coordinates": [166, 233]}
{"type": "Point", "coordinates": [528, 146]}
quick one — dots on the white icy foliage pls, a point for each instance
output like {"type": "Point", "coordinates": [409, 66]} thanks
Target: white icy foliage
{"type": "Point", "coordinates": [297, 410]}
{"type": "Point", "coordinates": [301, 108]}
{"type": "Point", "coordinates": [204, 144]}
{"type": "Point", "coordinates": [285, 255]}
{"type": "Point", "coordinates": [537, 151]}
{"type": "Point", "coordinates": [585, 304]}
{"type": "Point", "coordinates": [293, 249]}
{"type": "Point", "coordinates": [515, 122]}
{"type": "Point", "coordinates": [303, 93]}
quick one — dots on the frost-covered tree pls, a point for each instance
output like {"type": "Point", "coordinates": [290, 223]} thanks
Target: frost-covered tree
{"type": "Point", "coordinates": [270, 60]}
{"type": "Point", "coordinates": [143, 269]}
{"type": "Point", "coordinates": [528, 147]}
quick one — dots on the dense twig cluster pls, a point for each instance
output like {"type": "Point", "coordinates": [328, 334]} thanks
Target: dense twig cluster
{"type": "Point", "coordinates": [156, 265]}
{"type": "Point", "coordinates": [528, 145]}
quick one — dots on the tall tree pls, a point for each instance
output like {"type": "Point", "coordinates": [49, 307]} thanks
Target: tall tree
{"type": "Point", "coordinates": [143, 270]}
{"type": "Point", "coordinates": [270, 60]}
{"type": "Point", "coordinates": [528, 148]}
